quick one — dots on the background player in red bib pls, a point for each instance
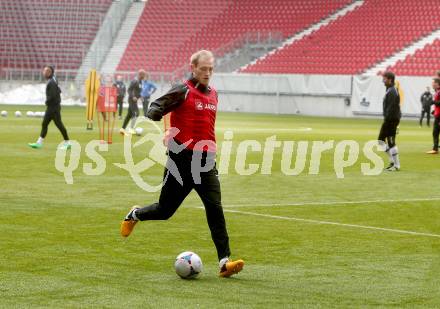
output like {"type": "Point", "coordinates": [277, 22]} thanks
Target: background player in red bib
{"type": "Point", "coordinates": [191, 157]}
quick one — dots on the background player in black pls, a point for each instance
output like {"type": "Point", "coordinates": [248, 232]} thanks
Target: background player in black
{"type": "Point", "coordinates": [53, 109]}
{"type": "Point", "coordinates": [436, 113]}
{"type": "Point", "coordinates": [426, 101]}
{"type": "Point", "coordinates": [180, 100]}
{"type": "Point", "coordinates": [392, 115]}
{"type": "Point", "coordinates": [119, 84]}
{"type": "Point", "coordinates": [134, 94]}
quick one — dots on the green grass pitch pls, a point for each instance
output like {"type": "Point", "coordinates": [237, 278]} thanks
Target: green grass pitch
{"type": "Point", "coordinates": [307, 240]}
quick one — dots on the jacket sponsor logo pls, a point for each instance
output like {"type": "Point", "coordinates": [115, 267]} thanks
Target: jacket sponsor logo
{"type": "Point", "coordinates": [205, 106]}
{"type": "Point", "coordinates": [199, 106]}
{"type": "Point", "coordinates": [211, 107]}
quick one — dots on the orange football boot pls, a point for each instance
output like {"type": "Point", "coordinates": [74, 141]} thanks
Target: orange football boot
{"type": "Point", "coordinates": [231, 268]}
{"type": "Point", "coordinates": [128, 224]}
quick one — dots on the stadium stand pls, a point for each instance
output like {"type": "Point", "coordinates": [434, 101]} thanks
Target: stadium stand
{"type": "Point", "coordinates": [424, 62]}
{"type": "Point", "coordinates": [34, 33]}
{"type": "Point", "coordinates": [169, 31]}
{"type": "Point", "coordinates": [355, 42]}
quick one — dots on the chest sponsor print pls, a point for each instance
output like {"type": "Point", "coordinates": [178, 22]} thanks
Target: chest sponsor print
{"type": "Point", "coordinates": [200, 106]}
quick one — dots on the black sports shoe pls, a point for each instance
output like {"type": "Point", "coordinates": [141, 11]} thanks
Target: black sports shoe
{"type": "Point", "coordinates": [390, 166]}
{"type": "Point", "coordinates": [392, 169]}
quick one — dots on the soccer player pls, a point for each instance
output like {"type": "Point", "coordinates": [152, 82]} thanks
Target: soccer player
{"type": "Point", "coordinates": [148, 88]}
{"type": "Point", "coordinates": [392, 115]}
{"type": "Point", "coordinates": [426, 100]}
{"type": "Point", "coordinates": [53, 109]}
{"type": "Point", "coordinates": [436, 126]}
{"type": "Point", "coordinates": [119, 84]}
{"type": "Point", "coordinates": [193, 107]}
{"type": "Point", "coordinates": [134, 94]}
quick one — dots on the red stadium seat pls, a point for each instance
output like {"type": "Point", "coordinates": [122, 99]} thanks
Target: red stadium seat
{"type": "Point", "coordinates": [36, 33]}
{"type": "Point", "coordinates": [362, 38]}
{"type": "Point", "coordinates": [426, 59]}
{"type": "Point", "coordinates": [181, 33]}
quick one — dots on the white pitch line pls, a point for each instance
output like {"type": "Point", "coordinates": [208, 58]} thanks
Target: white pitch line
{"type": "Point", "coordinates": [334, 223]}
{"type": "Point", "coordinates": [428, 199]}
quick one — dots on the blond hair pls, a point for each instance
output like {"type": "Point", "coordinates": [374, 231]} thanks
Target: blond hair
{"type": "Point", "coordinates": [201, 53]}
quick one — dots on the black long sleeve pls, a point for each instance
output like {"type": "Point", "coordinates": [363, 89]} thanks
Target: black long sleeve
{"type": "Point", "coordinates": [131, 88]}
{"type": "Point", "coordinates": [426, 100]}
{"type": "Point", "coordinates": [391, 104]}
{"type": "Point", "coordinates": [121, 88]}
{"type": "Point", "coordinates": [169, 101]}
{"type": "Point", "coordinates": [53, 98]}
{"type": "Point", "coordinates": [134, 90]}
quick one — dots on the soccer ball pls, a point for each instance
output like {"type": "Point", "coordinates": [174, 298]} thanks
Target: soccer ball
{"type": "Point", "coordinates": [17, 114]}
{"type": "Point", "coordinates": [4, 114]}
{"type": "Point", "coordinates": [30, 114]}
{"type": "Point", "coordinates": [188, 265]}
{"type": "Point", "coordinates": [139, 131]}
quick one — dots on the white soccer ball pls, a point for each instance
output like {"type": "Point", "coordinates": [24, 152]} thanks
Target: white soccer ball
{"type": "Point", "coordinates": [4, 114]}
{"type": "Point", "coordinates": [139, 131]}
{"type": "Point", "coordinates": [17, 114]}
{"type": "Point", "coordinates": [188, 265]}
{"type": "Point", "coordinates": [30, 114]}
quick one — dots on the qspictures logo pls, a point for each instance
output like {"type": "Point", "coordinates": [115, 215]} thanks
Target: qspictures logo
{"type": "Point", "coordinates": [297, 157]}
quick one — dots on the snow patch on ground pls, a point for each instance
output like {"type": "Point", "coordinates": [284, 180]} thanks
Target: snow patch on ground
{"type": "Point", "coordinates": [34, 94]}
